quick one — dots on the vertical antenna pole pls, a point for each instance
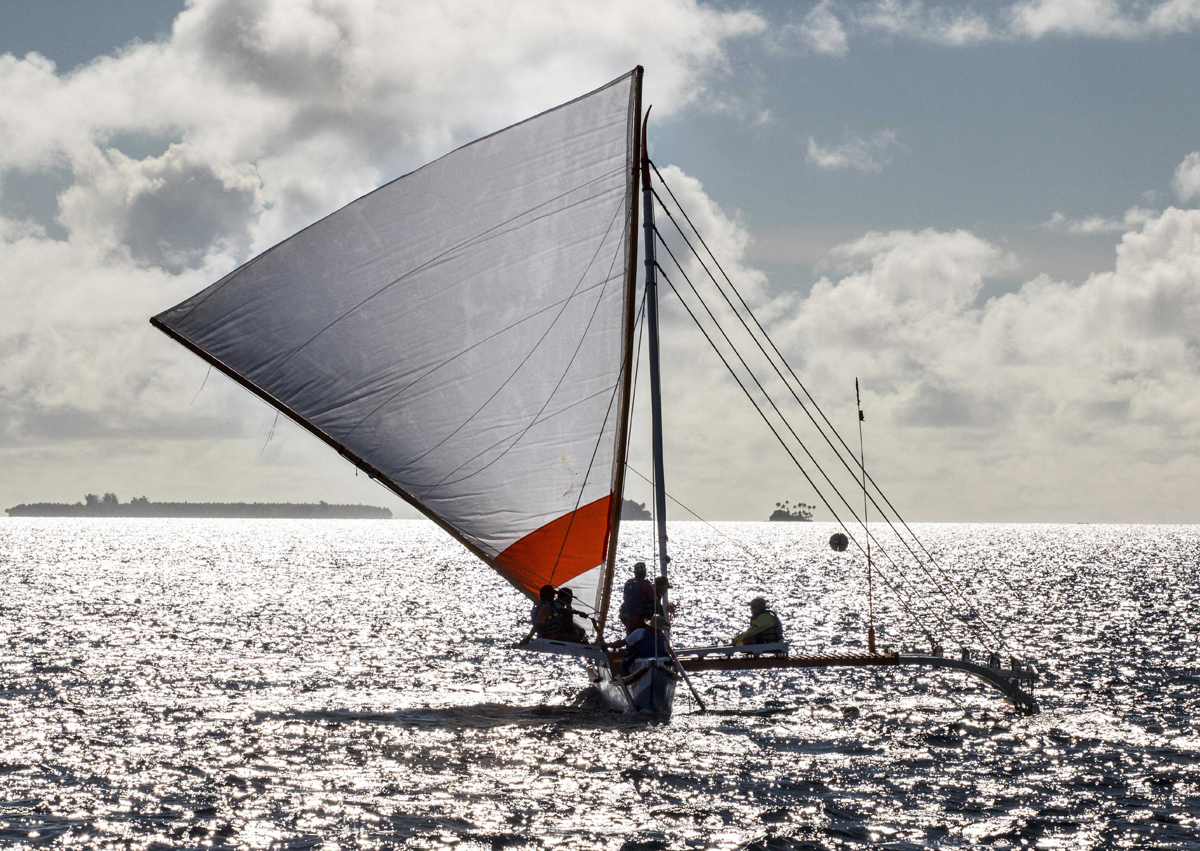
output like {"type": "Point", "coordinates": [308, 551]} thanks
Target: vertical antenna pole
{"type": "Point", "coordinates": [660, 490]}
{"type": "Point", "coordinates": [862, 463]}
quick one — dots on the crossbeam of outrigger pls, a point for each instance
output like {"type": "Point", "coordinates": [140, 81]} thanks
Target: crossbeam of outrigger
{"type": "Point", "coordinates": [1016, 683]}
{"type": "Point", "coordinates": [1008, 681]}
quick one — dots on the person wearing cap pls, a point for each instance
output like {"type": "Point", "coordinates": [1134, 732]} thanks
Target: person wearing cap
{"type": "Point", "coordinates": [765, 627]}
{"type": "Point", "coordinates": [568, 629]}
{"type": "Point", "coordinates": [637, 599]}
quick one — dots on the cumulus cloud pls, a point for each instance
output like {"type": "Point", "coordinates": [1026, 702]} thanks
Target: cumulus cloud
{"type": "Point", "coordinates": [1104, 18]}
{"type": "Point", "coordinates": [966, 24]}
{"type": "Point", "coordinates": [172, 162]}
{"type": "Point", "coordinates": [255, 117]}
{"type": "Point", "coordinates": [1134, 217]}
{"type": "Point", "coordinates": [1187, 177]}
{"type": "Point", "coordinates": [942, 24]}
{"type": "Point", "coordinates": [855, 153]}
{"type": "Point", "coordinates": [1058, 401]}
{"type": "Point", "coordinates": [1050, 389]}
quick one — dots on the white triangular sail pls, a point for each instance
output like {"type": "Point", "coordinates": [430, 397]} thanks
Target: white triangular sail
{"type": "Point", "coordinates": [462, 333]}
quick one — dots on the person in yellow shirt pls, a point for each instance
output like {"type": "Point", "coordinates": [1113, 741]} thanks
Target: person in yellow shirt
{"type": "Point", "coordinates": [765, 627]}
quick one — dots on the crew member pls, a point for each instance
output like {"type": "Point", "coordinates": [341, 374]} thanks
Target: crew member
{"type": "Point", "coordinates": [765, 627]}
{"type": "Point", "coordinates": [547, 623]}
{"type": "Point", "coordinates": [647, 642]}
{"type": "Point", "coordinates": [568, 629]}
{"type": "Point", "coordinates": [637, 599]}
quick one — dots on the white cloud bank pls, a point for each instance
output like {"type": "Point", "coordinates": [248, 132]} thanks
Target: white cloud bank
{"type": "Point", "coordinates": [1056, 402]}
{"type": "Point", "coordinates": [1187, 177]}
{"type": "Point", "coordinates": [181, 159]}
{"type": "Point", "coordinates": [1134, 217]}
{"type": "Point", "coordinates": [958, 24]}
{"type": "Point", "coordinates": [254, 118]}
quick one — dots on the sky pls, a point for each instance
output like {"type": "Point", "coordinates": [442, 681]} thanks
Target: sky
{"type": "Point", "coordinates": [987, 213]}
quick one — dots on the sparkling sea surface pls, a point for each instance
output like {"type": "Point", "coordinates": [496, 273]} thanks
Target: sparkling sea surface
{"type": "Point", "coordinates": [351, 684]}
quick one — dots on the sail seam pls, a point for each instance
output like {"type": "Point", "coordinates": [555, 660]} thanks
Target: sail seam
{"type": "Point", "coordinates": [536, 346]}
{"type": "Point", "coordinates": [405, 176]}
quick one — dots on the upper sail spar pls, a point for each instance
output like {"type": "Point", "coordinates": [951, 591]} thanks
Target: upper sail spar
{"type": "Point", "coordinates": [462, 333]}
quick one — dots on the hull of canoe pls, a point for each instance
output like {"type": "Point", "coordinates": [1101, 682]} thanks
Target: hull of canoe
{"type": "Point", "coordinates": [650, 685]}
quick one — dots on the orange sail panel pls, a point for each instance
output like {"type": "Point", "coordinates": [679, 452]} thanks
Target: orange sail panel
{"type": "Point", "coordinates": [561, 550]}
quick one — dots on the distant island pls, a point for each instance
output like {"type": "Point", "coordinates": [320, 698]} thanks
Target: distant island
{"type": "Point", "coordinates": [800, 512]}
{"type": "Point", "coordinates": [631, 510]}
{"type": "Point", "coordinates": [109, 506]}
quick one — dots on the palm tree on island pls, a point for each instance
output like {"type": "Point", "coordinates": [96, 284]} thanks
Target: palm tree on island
{"type": "Point", "coordinates": [801, 512]}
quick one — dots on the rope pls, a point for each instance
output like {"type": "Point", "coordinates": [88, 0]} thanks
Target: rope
{"type": "Point", "coordinates": [839, 455]}
{"type": "Point", "coordinates": [866, 530]}
{"type": "Point", "coordinates": [795, 461]}
{"type": "Point", "coordinates": [867, 534]}
{"type": "Point", "coordinates": [808, 395]}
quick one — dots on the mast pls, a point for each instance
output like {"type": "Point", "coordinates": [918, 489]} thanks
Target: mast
{"type": "Point", "coordinates": [660, 489]}
{"type": "Point", "coordinates": [614, 522]}
{"type": "Point", "coordinates": [862, 463]}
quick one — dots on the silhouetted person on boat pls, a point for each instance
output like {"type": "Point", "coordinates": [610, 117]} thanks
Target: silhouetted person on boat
{"type": "Point", "coordinates": [646, 642]}
{"type": "Point", "coordinates": [568, 629]}
{"type": "Point", "coordinates": [547, 623]}
{"type": "Point", "coordinates": [637, 600]}
{"type": "Point", "coordinates": [765, 627]}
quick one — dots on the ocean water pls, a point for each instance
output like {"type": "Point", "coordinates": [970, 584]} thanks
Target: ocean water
{"type": "Point", "coordinates": [351, 684]}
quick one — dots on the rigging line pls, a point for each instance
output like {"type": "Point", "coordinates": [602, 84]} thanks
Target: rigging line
{"type": "Point", "coordinates": [949, 580]}
{"type": "Point", "coordinates": [540, 339]}
{"type": "Point", "coordinates": [795, 461]}
{"type": "Point", "coordinates": [270, 434]}
{"type": "Point", "coordinates": [928, 606]}
{"type": "Point", "coordinates": [202, 383]}
{"type": "Point", "coordinates": [595, 449]}
{"type": "Point", "coordinates": [756, 557]}
{"type": "Point", "coordinates": [469, 349]}
{"type": "Point", "coordinates": [632, 407]}
{"type": "Point", "coordinates": [837, 434]}
{"type": "Point", "coordinates": [537, 417]}
{"type": "Point", "coordinates": [910, 593]}
{"type": "Point", "coordinates": [866, 530]}
{"type": "Point", "coordinates": [480, 238]}
{"type": "Point", "coordinates": [501, 441]}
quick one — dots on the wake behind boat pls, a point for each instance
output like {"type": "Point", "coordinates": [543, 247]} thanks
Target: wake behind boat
{"type": "Point", "coordinates": [465, 335]}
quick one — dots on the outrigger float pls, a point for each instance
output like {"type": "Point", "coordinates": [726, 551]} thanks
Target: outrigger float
{"type": "Point", "coordinates": [465, 336]}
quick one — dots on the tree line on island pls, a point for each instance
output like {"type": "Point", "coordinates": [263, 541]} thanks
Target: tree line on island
{"type": "Point", "coordinates": [109, 506]}
{"type": "Point", "coordinates": [800, 512]}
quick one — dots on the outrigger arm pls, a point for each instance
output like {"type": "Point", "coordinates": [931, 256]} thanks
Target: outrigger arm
{"type": "Point", "coordinates": [1010, 682]}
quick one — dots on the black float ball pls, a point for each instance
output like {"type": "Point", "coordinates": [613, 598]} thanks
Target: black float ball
{"type": "Point", "coordinates": [838, 542]}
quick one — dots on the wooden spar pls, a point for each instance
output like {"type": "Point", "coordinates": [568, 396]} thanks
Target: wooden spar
{"type": "Point", "coordinates": [862, 463]}
{"type": "Point", "coordinates": [354, 459]}
{"type": "Point", "coordinates": [755, 663]}
{"type": "Point", "coordinates": [1006, 680]}
{"type": "Point", "coordinates": [614, 521]}
{"type": "Point", "coordinates": [660, 488]}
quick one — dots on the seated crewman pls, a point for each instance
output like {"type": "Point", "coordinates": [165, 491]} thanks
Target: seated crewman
{"type": "Point", "coordinates": [547, 623]}
{"type": "Point", "coordinates": [646, 642]}
{"type": "Point", "coordinates": [568, 629]}
{"type": "Point", "coordinates": [765, 627]}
